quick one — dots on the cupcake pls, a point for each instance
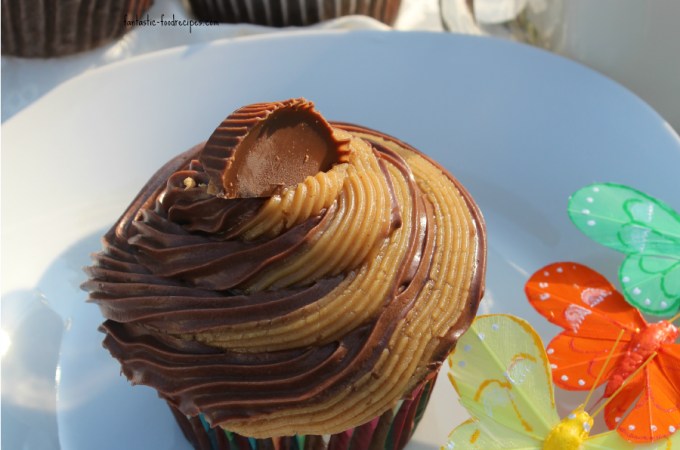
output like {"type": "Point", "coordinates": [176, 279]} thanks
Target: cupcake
{"type": "Point", "coordinates": [48, 28]}
{"type": "Point", "coordinates": [280, 13]}
{"type": "Point", "coordinates": [292, 283]}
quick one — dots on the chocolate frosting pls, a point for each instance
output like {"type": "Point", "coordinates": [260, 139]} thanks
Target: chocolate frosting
{"type": "Point", "coordinates": [172, 267]}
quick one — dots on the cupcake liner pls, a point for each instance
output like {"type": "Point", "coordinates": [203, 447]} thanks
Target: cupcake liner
{"type": "Point", "coordinates": [281, 13]}
{"type": "Point", "coordinates": [390, 431]}
{"type": "Point", "coordinates": [48, 28]}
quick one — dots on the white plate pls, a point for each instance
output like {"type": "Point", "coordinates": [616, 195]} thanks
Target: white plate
{"type": "Point", "coordinates": [521, 128]}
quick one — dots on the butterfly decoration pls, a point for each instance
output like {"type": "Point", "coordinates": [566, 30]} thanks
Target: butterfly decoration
{"type": "Point", "coordinates": [502, 376]}
{"type": "Point", "coordinates": [647, 230]}
{"type": "Point", "coordinates": [593, 314]}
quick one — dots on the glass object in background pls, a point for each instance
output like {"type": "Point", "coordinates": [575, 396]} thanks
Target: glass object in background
{"type": "Point", "coordinates": [499, 18]}
{"type": "Point", "coordinates": [634, 42]}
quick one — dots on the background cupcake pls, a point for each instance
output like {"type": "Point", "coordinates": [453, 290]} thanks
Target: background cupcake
{"type": "Point", "coordinates": [292, 278]}
{"type": "Point", "coordinates": [282, 13]}
{"type": "Point", "coordinates": [42, 29]}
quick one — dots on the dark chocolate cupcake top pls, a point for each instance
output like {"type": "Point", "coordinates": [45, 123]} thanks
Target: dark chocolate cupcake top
{"type": "Point", "coordinates": [310, 308]}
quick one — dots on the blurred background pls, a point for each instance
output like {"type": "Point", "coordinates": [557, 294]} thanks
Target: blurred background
{"type": "Point", "coordinates": [634, 42]}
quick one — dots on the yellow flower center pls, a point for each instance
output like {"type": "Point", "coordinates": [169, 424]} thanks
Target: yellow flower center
{"type": "Point", "coordinates": [570, 433]}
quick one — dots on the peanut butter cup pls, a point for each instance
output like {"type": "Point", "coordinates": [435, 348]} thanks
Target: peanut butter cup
{"type": "Point", "coordinates": [262, 149]}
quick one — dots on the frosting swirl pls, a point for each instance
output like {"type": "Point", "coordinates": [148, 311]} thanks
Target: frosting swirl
{"type": "Point", "coordinates": [311, 311]}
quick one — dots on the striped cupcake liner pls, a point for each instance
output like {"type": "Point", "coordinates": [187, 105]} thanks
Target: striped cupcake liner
{"type": "Point", "coordinates": [47, 28]}
{"type": "Point", "coordinates": [390, 431]}
{"type": "Point", "coordinates": [281, 13]}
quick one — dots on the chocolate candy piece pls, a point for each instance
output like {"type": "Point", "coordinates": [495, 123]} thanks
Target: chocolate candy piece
{"type": "Point", "coordinates": [261, 149]}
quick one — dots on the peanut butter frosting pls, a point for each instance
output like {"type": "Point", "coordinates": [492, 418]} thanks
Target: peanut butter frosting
{"type": "Point", "coordinates": [311, 308]}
